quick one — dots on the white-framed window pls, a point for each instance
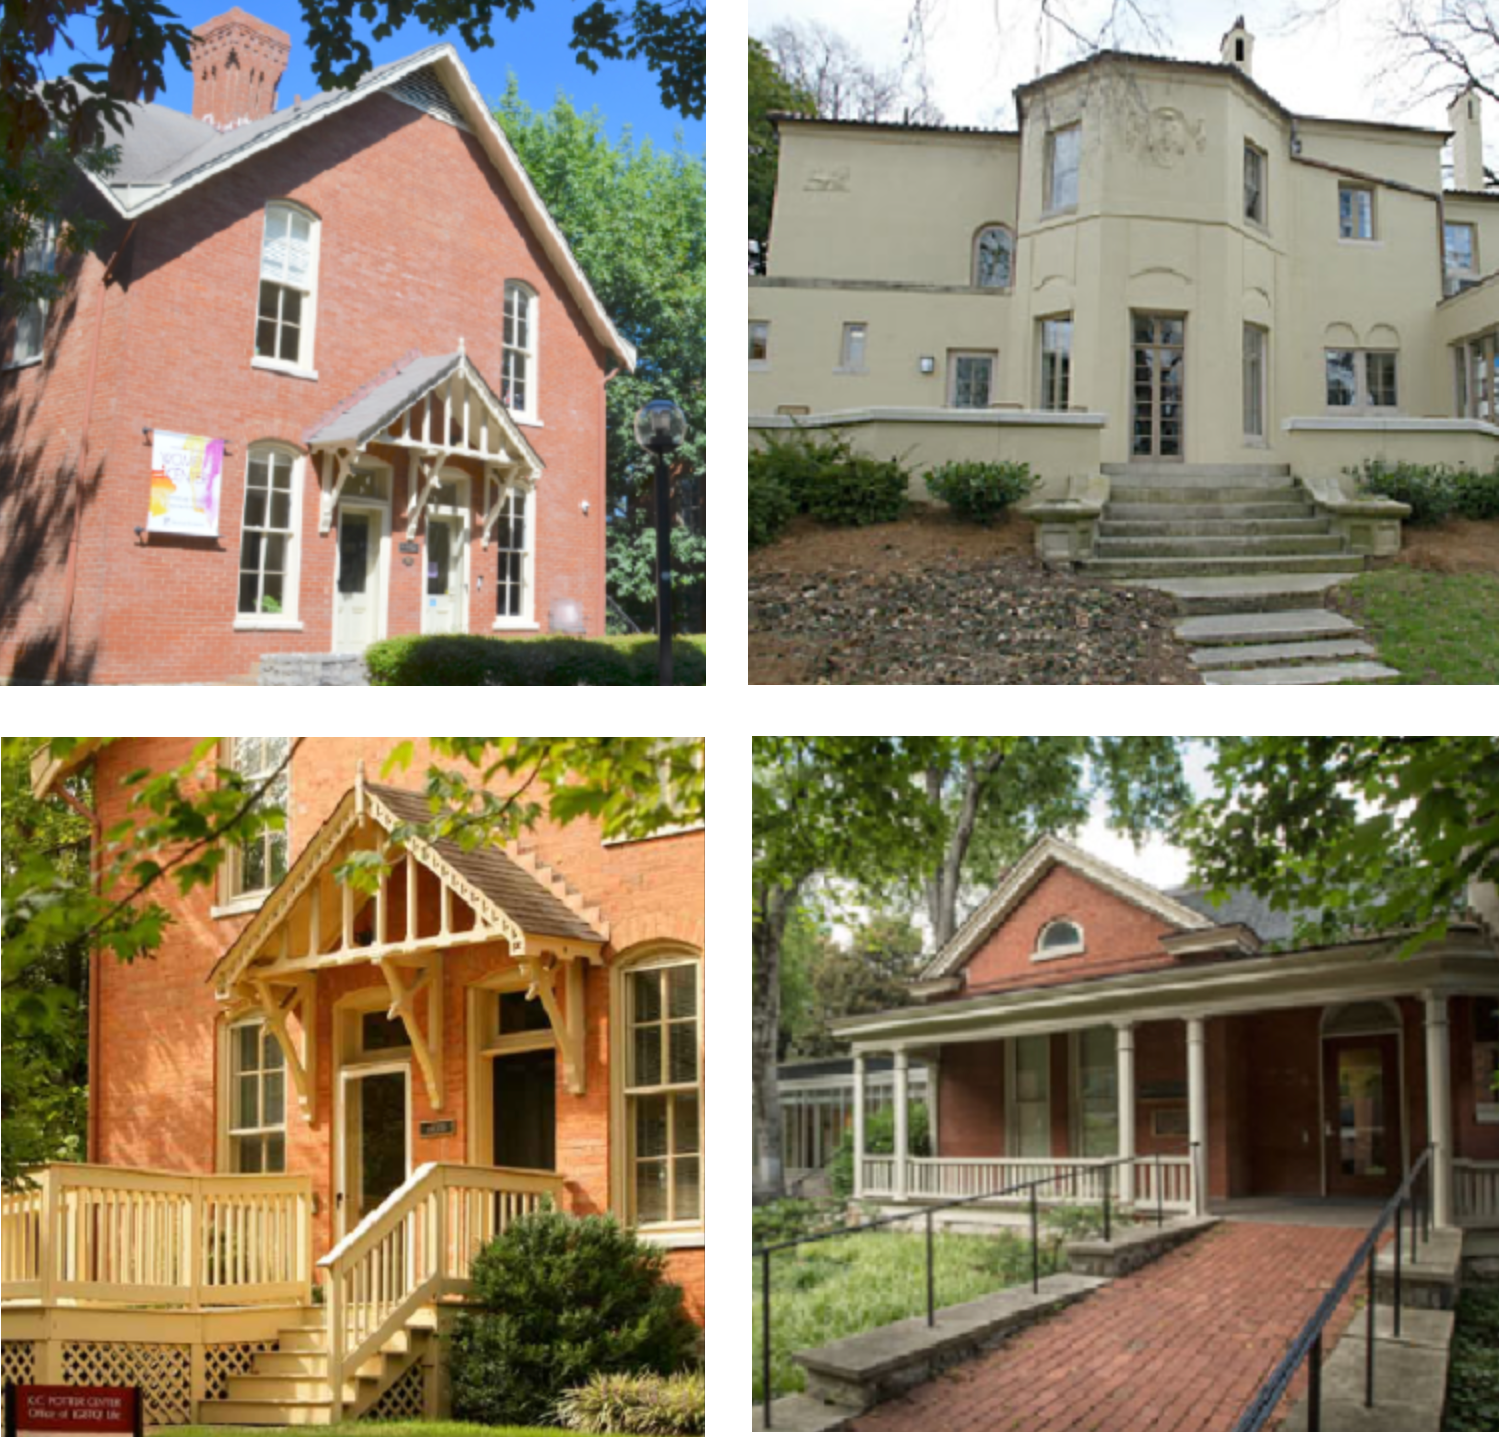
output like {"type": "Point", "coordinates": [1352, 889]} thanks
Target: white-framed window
{"type": "Point", "coordinates": [1355, 211]}
{"type": "Point", "coordinates": [258, 864]}
{"type": "Point", "coordinates": [257, 1099]}
{"type": "Point", "coordinates": [1058, 939]}
{"type": "Point", "coordinates": [1056, 362]}
{"type": "Point", "coordinates": [993, 257]}
{"type": "Point", "coordinates": [851, 356]}
{"type": "Point", "coordinates": [518, 367]}
{"type": "Point", "coordinates": [1459, 254]}
{"type": "Point", "coordinates": [1477, 371]}
{"type": "Point", "coordinates": [663, 1089]}
{"type": "Point", "coordinates": [1030, 1097]}
{"type": "Point", "coordinates": [39, 257]}
{"type": "Point", "coordinates": [1361, 379]}
{"type": "Point", "coordinates": [513, 587]}
{"type": "Point", "coordinates": [1063, 148]}
{"type": "Point", "coordinates": [268, 539]}
{"type": "Point", "coordinates": [759, 344]}
{"type": "Point", "coordinates": [1096, 1086]}
{"type": "Point", "coordinates": [285, 314]}
{"type": "Point", "coordinates": [1254, 382]}
{"type": "Point", "coordinates": [1254, 183]}
{"type": "Point", "coordinates": [970, 378]}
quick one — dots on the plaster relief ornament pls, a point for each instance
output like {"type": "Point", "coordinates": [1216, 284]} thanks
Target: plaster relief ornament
{"type": "Point", "coordinates": [828, 181]}
{"type": "Point", "coordinates": [1165, 135]}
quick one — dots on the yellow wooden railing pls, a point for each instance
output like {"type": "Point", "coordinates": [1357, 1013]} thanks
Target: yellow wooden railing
{"type": "Point", "coordinates": [416, 1246]}
{"type": "Point", "coordinates": [87, 1232]}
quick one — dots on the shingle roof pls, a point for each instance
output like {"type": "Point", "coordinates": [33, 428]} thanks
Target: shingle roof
{"type": "Point", "coordinates": [1242, 906]}
{"type": "Point", "coordinates": [534, 906]}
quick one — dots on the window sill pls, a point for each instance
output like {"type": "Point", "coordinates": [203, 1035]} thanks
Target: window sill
{"type": "Point", "coordinates": [526, 421]}
{"type": "Point", "coordinates": [516, 626]}
{"type": "Point", "coordinates": [246, 903]}
{"type": "Point", "coordinates": [841, 370]}
{"type": "Point", "coordinates": [1072, 951]}
{"type": "Point", "coordinates": [1370, 243]}
{"type": "Point", "coordinates": [22, 363]}
{"type": "Point", "coordinates": [759, 366]}
{"type": "Point", "coordinates": [695, 1238]}
{"type": "Point", "coordinates": [280, 366]}
{"type": "Point", "coordinates": [243, 622]}
{"type": "Point", "coordinates": [1058, 211]}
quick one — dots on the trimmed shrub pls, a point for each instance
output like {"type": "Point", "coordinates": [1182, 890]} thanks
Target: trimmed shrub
{"type": "Point", "coordinates": [1428, 488]}
{"type": "Point", "coordinates": [983, 492]}
{"type": "Point", "coordinates": [666, 1405]}
{"type": "Point", "coordinates": [824, 478]}
{"type": "Point", "coordinates": [1478, 495]}
{"type": "Point", "coordinates": [557, 1301]}
{"type": "Point", "coordinates": [770, 503]}
{"type": "Point", "coordinates": [464, 659]}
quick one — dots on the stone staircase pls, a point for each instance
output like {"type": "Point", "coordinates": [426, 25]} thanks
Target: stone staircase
{"type": "Point", "coordinates": [1249, 558]}
{"type": "Point", "coordinates": [289, 1387]}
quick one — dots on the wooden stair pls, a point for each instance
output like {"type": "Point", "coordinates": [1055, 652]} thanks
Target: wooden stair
{"type": "Point", "coordinates": [289, 1387]}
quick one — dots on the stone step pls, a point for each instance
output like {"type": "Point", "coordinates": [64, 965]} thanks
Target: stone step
{"type": "Point", "coordinates": [1286, 625]}
{"type": "Point", "coordinates": [1206, 546]}
{"type": "Point", "coordinates": [1127, 510]}
{"type": "Point", "coordinates": [1238, 656]}
{"type": "Point", "coordinates": [800, 1413]}
{"type": "Point", "coordinates": [1355, 671]}
{"type": "Point", "coordinates": [1302, 526]}
{"type": "Point", "coordinates": [1173, 473]}
{"type": "Point", "coordinates": [1182, 567]}
{"type": "Point", "coordinates": [1151, 493]}
{"type": "Point", "coordinates": [1244, 593]}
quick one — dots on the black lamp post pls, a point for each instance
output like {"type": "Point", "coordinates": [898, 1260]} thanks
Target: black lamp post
{"type": "Point", "coordinates": [659, 430]}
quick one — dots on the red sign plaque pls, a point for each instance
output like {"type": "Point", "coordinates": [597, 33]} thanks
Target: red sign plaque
{"type": "Point", "coordinates": [79, 1410]}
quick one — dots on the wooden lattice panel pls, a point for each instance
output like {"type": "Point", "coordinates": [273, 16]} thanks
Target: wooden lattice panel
{"type": "Point", "coordinates": [162, 1371]}
{"type": "Point", "coordinates": [223, 1360]}
{"type": "Point", "coordinates": [404, 1400]}
{"type": "Point", "coordinates": [18, 1362]}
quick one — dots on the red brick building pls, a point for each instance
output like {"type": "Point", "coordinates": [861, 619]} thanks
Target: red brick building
{"type": "Point", "coordinates": [401, 1073]}
{"type": "Point", "coordinates": [332, 374]}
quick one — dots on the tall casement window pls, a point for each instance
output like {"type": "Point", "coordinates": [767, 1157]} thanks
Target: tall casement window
{"type": "Point", "coordinates": [993, 257]}
{"type": "Point", "coordinates": [512, 580]}
{"type": "Point", "coordinates": [40, 257]}
{"type": "Point", "coordinates": [1254, 382]}
{"type": "Point", "coordinates": [259, 863]}
{"type": "Point", "coordinates": [1459, 255]}
{"type": "Point", "coordinates": [970, 378]}
{"type": "Point", "coordinates": [1030, 1103]}
{"type": "Point", "coordinates": [851, 353]}
{"type": "Point", "coordinates": [1254, 183]}
{"type": "Point", "coordinates": [1355, 212]}
{"type": "Point", "coordinates": [518, 368]}
{"type": "Point", "coordinates": [288, 288]}
{"type": "Point", "coordinates": [257, 1100]}
{"type": "Point", "coordinates": [1361, 379]}
{"type": "Point", "coordinates": [759, 344]}
{"type": "Point", "coordinates": [1097, 1085]}
{"type": "Point", "coordinates": [1063, 148]}
{"type": "Point", "coordinates": [1056, 363]}
{"type": "Point", "coordinates": [267, 544]}
{"type": "Point", "coordinates": [663, 1093]}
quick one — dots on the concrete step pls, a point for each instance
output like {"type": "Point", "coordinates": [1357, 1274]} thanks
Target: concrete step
{"type": "Point", "coordinates": [1354, 671]}
{"type": "Point", "coordinates": [1126, 509]}
{"type": "Point", "coordinates": [223, 1412]}
{"type": "Point", "coordinates": [1279, 564]}
{"type": "Point", "coordinates": [1303, 526]}
{"type": "Point", "coordinates": [1154, 493]}
{"type": "Point", "coordinates": [800, 1413]}
{"type": "Point", "coordinates": [1246, 656]}
{"type": "Point", "coordinates": [1432, 1280]}
{"type": "Point", "coordinates": [1172, 473]}
{"type": "Point", "coordinates": [1200, 546]}
{"type": "Point", "coordinates": [1245, 593]}
{"type": "Point", "coordinates": [1284, 626]}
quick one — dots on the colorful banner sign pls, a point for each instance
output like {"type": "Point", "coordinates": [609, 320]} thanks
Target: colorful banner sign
{"type": "Point", "coordinates": [79, 1410]}
{"type": "Point", "coordinates": [187, 473]}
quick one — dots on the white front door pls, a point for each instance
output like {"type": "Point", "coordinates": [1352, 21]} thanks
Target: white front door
{"type": "Point", "coordinates": [443, 607]}
{"type": "Point", "coordinates": [356, 604]}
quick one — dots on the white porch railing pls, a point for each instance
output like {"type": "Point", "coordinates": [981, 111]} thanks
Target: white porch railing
{"type": "Point", "coordinates": [1475, 1195]}
{"type": "Point", "coordinates": [1176, 1183]}
{"type": "Point", "coordinates": [96, 1233]}
{"type": "Point", "coordinates": [1068, 1180]}
{"type": "Point", "coordinates": [418, 1244]}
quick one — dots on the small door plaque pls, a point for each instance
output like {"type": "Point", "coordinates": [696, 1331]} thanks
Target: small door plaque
{"type": "Point", "coordinates": [410, 546]}
{"type": "Point", "coordinates": [439, 1127]}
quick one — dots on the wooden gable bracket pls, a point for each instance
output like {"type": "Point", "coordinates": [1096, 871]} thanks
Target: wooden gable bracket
{"type": "Point", "coordinates": [568, 1028]}
{"type": "Point", "coordinates": [343, 461]}
{"type": "Point", "coordinates": [425, 1046]}
{"type": "Point", "coordinates": [427, 467]}
{"type": "Point", "coordinates": [297, 994]}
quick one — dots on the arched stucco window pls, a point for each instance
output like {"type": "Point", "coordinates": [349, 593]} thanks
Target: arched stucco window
{"type": "Point", "coordinates": [993, 257]}
{"type": "Point", "coordinates": [1058, 939]}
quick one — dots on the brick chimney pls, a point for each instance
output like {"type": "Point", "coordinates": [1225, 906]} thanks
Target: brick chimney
{"type": "Point", "coordinates": [237, 63]}
{"type": "Point", "coordinates": [1465, 116]}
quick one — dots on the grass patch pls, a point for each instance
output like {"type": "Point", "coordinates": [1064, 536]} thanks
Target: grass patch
{"type": "Point", "coordinates": [1434, 628]}
{"type": "Point", "coordinates": [1473, 1376]}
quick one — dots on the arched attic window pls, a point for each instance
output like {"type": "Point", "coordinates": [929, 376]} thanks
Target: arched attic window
{"type": "Point", "coordinates": [993, 257]}
{"type": "Point", "coordinates": [1058, 939]}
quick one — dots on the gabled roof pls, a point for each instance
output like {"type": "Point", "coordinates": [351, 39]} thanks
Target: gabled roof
{"type": "Point", "coordinates": [1045, 855]}
{"type": "Point", "coordinates": [164, 153]}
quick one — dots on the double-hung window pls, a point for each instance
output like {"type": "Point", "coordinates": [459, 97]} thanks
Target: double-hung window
{"type": "Point", "coordinates": [1459, 255]}
{"type": "Point", "coordinates": [1254, 183]}
{"type": "Point", "coordinates": [970, 378]}
{"type": "Point", "coordinates": [855, 341]}
{"type": "Point", "coordinates": [1030, 1103]}
{"type": "Point", "coordinates": [1361, 379]}
{"type": "Point", "coordinates": [257, 1100]}
{"type": "Point", "coordinates": [512, 580]}
{"type": "Point", "coordinates": [259, 862]}
{"type": "Point", "coordinates": [1063, 148]}
{"type": "Point", "coordinates": [1356, 212]}
{"type": "Point", "coordinates": [1056, 363]}
{"type": "Point", "coordinates": [518, 366]}
{"type": "Point", "coordinates": [1097, 1093]}
{"type": "Point", "coordinates": [288, 288]}
{"type": "Point", "coordinates": [267, 544]}
{"type": "Point", "coordinates": [40, 257]}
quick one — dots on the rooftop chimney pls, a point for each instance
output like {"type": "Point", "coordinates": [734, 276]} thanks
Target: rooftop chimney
{"type": "Point", "coordinates": [237, 63]}
{"type": "Point", "coordinates": [1465, 116]}
{"type": "Point", "coordinates": [1238, 47]}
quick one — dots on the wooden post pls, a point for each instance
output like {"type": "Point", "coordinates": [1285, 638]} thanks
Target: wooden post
{"type": "Point", "coordinates": [1124, 1049]}
{"type": "Point", "coordinates": [1439, 1107]}
{"type": "Point", "coordinates": [193, 1243]}
{"type": "Point", "coordinates": [1197, 1112]}
{"type": "Point", "coordinates": [902, 1124]}
{"type": "Point", "coordinates": [49, 1253]}
{"type": "Point", "coordinates": [334, 1310]}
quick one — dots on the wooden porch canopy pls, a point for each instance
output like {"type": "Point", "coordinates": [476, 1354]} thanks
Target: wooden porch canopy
{"type": "Point", "coordinates": [436, 408]}
{"type": "Point", "coordinates": [436, 897]}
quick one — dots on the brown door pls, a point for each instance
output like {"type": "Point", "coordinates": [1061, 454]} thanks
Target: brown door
{"type": "Point", "coordinates": [1158, 343]}
{"type": "Point", "coordinates": [1362, 1096]}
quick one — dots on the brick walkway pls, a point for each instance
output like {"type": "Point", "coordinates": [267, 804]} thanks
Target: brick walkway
{"type": "Point", "coordinates": [1180, 1346]}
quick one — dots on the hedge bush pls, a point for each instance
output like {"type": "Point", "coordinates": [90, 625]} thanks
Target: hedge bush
{"type": "Point", "coordinates": [1434, 491]}
{"type": "Point", "coordinates": [879, 1138]}
{"type": "Point", "coordinates": [983, 492]}
{"type": "Point", "coordinates": [824, 478]}
{"type": "Point", "coordinates": [464, 659]}
{"type": "Point", "coordinates": [770, 502]}
{"type": "Point", "coordinates": [557, 1301]}
{"type": "Point", "coordinates": [666, 1405]}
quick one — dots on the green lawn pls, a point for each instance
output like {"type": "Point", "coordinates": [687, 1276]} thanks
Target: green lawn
{"type": "Point", "coordinates": [1434, 628]}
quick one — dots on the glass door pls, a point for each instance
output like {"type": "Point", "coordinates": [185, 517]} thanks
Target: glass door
{"type": "Point", "coordinates": [1362, 1115]}
{"type": "Point", "coordinates": [376, 1140]}
{"type": "Point", "coordinates": [1159, 344]}
{"type": "Point", "coordinates": [525, 1110]}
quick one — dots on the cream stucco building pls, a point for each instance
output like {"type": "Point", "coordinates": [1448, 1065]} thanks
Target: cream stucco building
{"type": "Point", "coordinates": [1162, 264]}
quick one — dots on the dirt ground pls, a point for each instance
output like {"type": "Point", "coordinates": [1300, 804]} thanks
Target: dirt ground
{"type": "Point", "coordinates": [1459, 546]}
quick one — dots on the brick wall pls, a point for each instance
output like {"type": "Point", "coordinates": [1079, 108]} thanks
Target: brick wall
{"type": "Point", "coordinates": [971, 1100]}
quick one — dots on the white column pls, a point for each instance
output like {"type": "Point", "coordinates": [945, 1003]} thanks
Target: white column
{"type": "Point", "coordinates": [858, 1125]}
{"type": "Point", "coordinates": [1439, 1107]}
{"type": "Point", "coordinates": [1124, 1048]}
{"type": "Point", "coordinates": [902, 1123]}
{"type": "Point", "coordinates": [1197, 1110]}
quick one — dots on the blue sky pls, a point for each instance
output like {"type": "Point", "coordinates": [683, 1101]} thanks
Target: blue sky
{"type": "Point", "coordinates": [534, 46]}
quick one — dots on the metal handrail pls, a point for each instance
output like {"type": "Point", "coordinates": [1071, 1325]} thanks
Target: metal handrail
{"type": "Point", "coordinates": [1307, 1345]}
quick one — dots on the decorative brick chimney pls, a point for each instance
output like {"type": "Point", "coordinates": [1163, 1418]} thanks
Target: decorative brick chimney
{"type": "Point", "coordinates": [237, 63]}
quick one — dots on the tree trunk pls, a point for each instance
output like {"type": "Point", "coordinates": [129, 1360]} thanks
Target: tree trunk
{"type": "Point", "coordinates": [942, 886]}
{"type": "Point", "coordinates": [773, 905]}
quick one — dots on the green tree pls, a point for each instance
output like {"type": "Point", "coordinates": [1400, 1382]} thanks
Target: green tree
{"type": "Point", "coordinates": [769, 91]}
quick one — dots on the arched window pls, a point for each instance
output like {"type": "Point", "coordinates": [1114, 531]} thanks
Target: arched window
{"type": "Point", "coordinates": [993, 257]}
{"type": "Point", "coordinates": [288, 288]}
{"type": "Point", "coordinates": [1058, 938]}
{"type": "Point", "coordinates": [518, 371]}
